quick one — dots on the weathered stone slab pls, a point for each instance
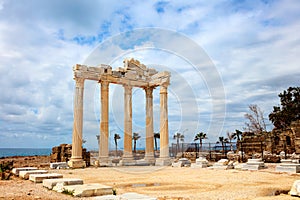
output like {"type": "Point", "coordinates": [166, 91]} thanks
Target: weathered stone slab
{"type": "Point", "coordinates": [222, 164]}
{"type": "Point", "coordinates": [127, 162]}
{"type": "Point", "coordinates": [201, 162]}
{"type": "Point", "coordinates": [126, 196]}
{"type": "Point", "coordinates": [182, 162]}
{"type": "Point", "coordinates": [85, 190]}
{"type": "Point", "coordinates": [17, 170]}
{"type": "Point", "coordinates": [132, 195]}
{"type": "Point", "coordinates": [254, 164]}
{"type": "Point", "coordinates": [38, 178]}
{"type": "Point", "coordinates": [50, 183]}
{"type": "Point", "coordinates": [286, 161]}
{"type": "Point", "coordinates": [163, 162]}
{"type": "Point", "coordinates": [288, 167]}
{"type": "Point", "coordinates": [59, 165]}
{"type": "Point", "coordinates": [240, 166]}
{"type": "Point", "coordinates": [25, 174]}
{"type": "Point", "coordinates": [295, 190]}
{"type": "Point", "coordinates": [107, 197]}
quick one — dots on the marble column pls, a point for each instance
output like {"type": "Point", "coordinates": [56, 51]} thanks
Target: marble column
{"type": "Point", "coordinates": [164, 158]}
{"type": "Point", "coordinates": [127, 155]}
{"type": "Point", "coordinates": [76, 158]}
{"type": "Point", "coordinates": [104, 130]}
{"type": "Point", "coordinates": [149, 153]}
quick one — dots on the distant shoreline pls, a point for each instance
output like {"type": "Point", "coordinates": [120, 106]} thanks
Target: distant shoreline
{"type": "Point", "coordinates": [11, 152]}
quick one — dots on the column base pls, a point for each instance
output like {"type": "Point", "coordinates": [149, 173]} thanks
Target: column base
{"type": "Point", "coordinates": [105, 162]}
{"type": "Point", "coordinates": [163, 161]}
{"type": "Point", "coordinates": [127, 161]}
{"type": "Point", "coordinates": [150, 159]}
{"type": "Point", "coordinates": [76, 164]}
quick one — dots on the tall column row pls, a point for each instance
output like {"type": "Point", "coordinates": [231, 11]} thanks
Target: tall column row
{"type": "Point", "coordinates": [76, 159]}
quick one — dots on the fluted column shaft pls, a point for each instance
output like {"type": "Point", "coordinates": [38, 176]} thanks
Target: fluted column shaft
{"type": "Point", "coordinates": [104, 130]}
{"type": "Point", "coordinates": [149, 154]}
{"type": "Point", "coordinates": [127, 121]}
{"type": "Point", "coordinates": [78, 120]}
{"type": "Point", "coordinates": [164, 129]}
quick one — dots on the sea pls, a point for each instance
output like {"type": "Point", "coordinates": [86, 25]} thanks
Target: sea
{"type": "Point", "coordinates": [7, 152]}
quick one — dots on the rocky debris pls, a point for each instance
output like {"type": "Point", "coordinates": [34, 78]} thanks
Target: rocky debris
{"type": "Point", "coordinates": [5, 170]}
{"type": "Point", "coordinates": [271, 158]}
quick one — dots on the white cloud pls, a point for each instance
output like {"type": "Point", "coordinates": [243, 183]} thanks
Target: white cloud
{"type": "Point", "coordinates": [253, 44]}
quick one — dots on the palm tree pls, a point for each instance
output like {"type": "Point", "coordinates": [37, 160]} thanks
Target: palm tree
{"type": "Point", "coordinates": [178, 137]}
{"type": "Point", "coordinates": [200, 136]}
{"type": "Point", "coordinates": [156, 136]}
{"type": "Point", "coordinates": [231, 136]}
{"type": "Point", "coordinates": [135, 137]}
{"type": "Point", "coordinates": [238, 135]}
{"type": "Point", "coordinates": [223, 141]}
{"type": "Point", "coordinates": [116, 138]}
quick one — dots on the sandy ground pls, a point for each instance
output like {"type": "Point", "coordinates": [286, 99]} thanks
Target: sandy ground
{"type": "Point", "coordinates": [168, 183]}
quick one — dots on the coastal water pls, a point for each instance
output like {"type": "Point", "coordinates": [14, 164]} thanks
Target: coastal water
{"type": "Point", "coordinates": [5, 152]}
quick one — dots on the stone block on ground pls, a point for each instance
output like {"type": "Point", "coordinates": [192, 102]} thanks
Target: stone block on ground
{"type": "Point", "coordinates": [25, 174]}
{"type": "Point", "coordinates": [182, 162]}
{"type": "Point", "coordinates": [223, 164]}
{"type": "Point", "coordinates": [38, 178]}
{"type": "Point", "coordinates": [126, 196]}
{"type": "Point", "coordinates": [240, 166]}
{"type": "Point", "coordinates": [85, 190]}
{"type": "Point", "coordinates": [17, 170]}
{"type": "Point", "coordinates": [201, 162]}
{"type": "Point", "coordinates": [50, 183]}
{"type": "Point", "coordinates": [288, 167]}
{"type": "Point", "coordinates": [136, 196]}
{"type": "Point", "coordinates": [59, 165]}
{"type": "Point", "coordinates": [295, 190]}
{"type": "Point", "coordinates": [254, 164]}
{"type": "Point", "coordinates": [286, 160]}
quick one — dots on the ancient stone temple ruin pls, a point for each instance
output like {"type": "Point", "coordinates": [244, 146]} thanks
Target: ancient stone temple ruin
{"type": "Point", "coordinates": [133, 74]}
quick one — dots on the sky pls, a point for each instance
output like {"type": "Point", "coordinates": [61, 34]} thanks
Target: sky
{"type": "Point", "coordinates": [223, 56]}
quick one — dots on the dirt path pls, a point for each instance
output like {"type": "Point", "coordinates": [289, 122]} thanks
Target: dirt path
{"type": "Point", "coordinates": [190, 183]}
{"type": "Point", "coordinates": [167, 183]}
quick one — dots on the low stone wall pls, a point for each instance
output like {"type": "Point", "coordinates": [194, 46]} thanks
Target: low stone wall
{"type": "Point", "coordinates": [63, 153]}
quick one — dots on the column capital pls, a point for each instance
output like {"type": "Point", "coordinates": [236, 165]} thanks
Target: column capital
{"type": "Point", "coordinates": [104, 82]}
{"type": "Point", "coordinates": [127, 89]}
{"type": "Point", "coordinates": [149, 91]}
{"type": "Point", "coordinates": [79, 82]}
{"type": "Point", "coordinates": [164, 88]}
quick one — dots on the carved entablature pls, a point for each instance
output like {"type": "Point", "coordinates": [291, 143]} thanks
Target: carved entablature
{"type": "Point", "coordinates": [133, 73]}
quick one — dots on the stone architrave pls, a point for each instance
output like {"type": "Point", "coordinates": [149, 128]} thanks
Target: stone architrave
{"type": "Point", "coordinates": [76, 159]}
{"type": "Point", "coordinates": [149, 153]}
{"type": "Point", "coordinates": [133, 74]}
{"type": "Point", "coordinates": [104, 129]}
